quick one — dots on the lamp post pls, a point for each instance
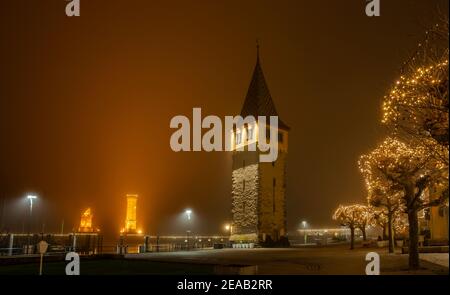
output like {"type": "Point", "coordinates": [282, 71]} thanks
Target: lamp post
{"type": "Point", "coordinates": [30, 198]}
{"type": "Point", "coordinates": [304, 225]}
{"type": "Point", "coordinates": [229, 229]}
{"type": "Point", "coordinates": [188, 213]}
{"type": "Point", "coordinates": [187, 238]}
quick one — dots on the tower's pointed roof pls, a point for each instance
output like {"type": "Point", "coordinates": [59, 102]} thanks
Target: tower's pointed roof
{"type": "Point", "coordinates": [258, 101]}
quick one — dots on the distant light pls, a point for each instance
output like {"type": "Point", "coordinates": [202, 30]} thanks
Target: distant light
{"type": "Point", "coordinates": [31, 198]}
{"type": "Point", "coordinates": [139, 231]}
{"type": "Point", "coordinates": [227, 227]}
{"type": "Point", "coordinates": [188, 213]}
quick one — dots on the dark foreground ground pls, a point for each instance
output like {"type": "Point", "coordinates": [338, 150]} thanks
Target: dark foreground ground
{"type": "Point", "coordinates": [312, 261]}
{"type": "Point", "coordinates": [329, 260]}
{"type": "Point", "coordinates": [110, 267]}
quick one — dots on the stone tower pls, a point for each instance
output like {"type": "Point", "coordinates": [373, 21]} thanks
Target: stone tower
{"type": "Point", "coordinates": [258, 188]}
{"type": "Point", "coordinates": [130, 221]}
{"type": "Point", "coordinates": [86, 222]}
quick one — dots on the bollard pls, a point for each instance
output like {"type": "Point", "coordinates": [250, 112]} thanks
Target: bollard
{"type": "Point", "coordinates": [74, 243]}
{"type": "Point", "coordinates": [11, 243]}
{"type": "Point", "coordinates": [146, 244]}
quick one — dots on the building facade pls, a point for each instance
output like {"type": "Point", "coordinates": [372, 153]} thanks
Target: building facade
{"type": "Point", "coordinates": [435, 219]}
{"type": "Point", "coordinates": [258, 188]}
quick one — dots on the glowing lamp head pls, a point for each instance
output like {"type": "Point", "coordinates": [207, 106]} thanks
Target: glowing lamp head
{"type": "Point", "coordinates": [227, 227]}
{"type": "Point", "coordinates": [188, 213]}
{"type": "Point", "coordinates": [31, 198]}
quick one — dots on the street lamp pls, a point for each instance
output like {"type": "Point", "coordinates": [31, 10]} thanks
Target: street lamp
{"type": "Point", "coordinates": [188, 213]}
{"type": "Point", "coordinates": [304, 225]}
{"type": "Point", "coordinates": [228, 228]}
{"type": "Point", "coordinates": [30, 198]}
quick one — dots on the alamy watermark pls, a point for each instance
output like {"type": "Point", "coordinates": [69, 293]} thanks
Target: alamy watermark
{"type": "Point", "coordinates": [373, 267]}
{"type": "Point", "coordinates": [373, 8]}
{"type": "Point", "coordinates": [73, 8]}
{"type": "Point", "coordinates": [238, 134]}
{"type": "Point", "coordinates": [73, 267]}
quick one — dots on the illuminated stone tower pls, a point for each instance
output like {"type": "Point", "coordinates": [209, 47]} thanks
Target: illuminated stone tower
{"type": "Point", "coordinates": [130, 222]}
{"type": "Point", "coordinates": [258, 188]}
{"type": "Point", "coordinates": [86, 222]}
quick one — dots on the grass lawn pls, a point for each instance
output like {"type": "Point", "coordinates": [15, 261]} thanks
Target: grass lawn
{"type": "Point", "coordinates": [110, 267]}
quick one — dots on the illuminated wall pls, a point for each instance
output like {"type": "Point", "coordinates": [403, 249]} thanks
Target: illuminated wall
{"type": "Point", "coordinates": [130, 222]}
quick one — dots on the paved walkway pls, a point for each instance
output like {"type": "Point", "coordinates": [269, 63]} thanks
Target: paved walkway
{"type": "Point", "coordinates": [436, 258]}
{"type": "Point", "coordinates": [323, 260]}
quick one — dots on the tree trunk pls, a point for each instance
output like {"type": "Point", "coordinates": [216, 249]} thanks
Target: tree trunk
{"type": "Point", "coordinates": [384, 232]}
{"type": "Point", "coordinates": [390, 234]}
{"type": "Point", "coordinates": [352, 238]}
{"type": "Point", "coordinates": [363, 229]}
{"type": "Point", "coordinates": [413, 239]}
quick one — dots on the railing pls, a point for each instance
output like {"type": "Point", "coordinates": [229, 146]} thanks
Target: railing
{"type": "Point", "coordinates": [90, 244]}
{"type": "Point", "coordinates": [24, 244]}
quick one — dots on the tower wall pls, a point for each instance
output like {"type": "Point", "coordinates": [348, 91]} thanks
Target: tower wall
{"type": "Point", "coordinates": [272, 201]}
{"type": "Point", "coordinates": [258, 197]}
{"type": "Point", "coordinates": [245, 195]}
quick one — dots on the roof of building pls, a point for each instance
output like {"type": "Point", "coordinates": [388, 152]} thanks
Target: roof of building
{"type": "Point", "coordinates": [258, 101]}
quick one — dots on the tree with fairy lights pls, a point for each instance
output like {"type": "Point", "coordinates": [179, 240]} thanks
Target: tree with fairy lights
{"type": "Point", "coordinates": [379, 218]}
{"type": "Point", "coordinates": [412, 165]}
{"type": "Point", "coordinates": [364, 219]}
{"type": "Point", "coordinates": [389, 217]}
{"type": "Point", "coordinates": [354, 217]}
{"type": "Point", "coordinates": [385, 196]}
{"type": "Point", "coordinates": [400, 224]}
{"type": "Point", "coordinates": [411, 170]}
{"type": "Point", "coordinates": [417, 107]}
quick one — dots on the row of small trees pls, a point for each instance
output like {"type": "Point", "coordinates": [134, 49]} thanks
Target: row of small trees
{"type": "Point", "coordinates": [408, 171]}
{"type": "Point", "coordinates": [361, 217]}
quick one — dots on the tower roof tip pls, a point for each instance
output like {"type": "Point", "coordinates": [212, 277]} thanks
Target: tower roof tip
{"type": "Point", "coordinates": [258, 101]}
{"type": "Point", "coordinates": [257, 49]}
